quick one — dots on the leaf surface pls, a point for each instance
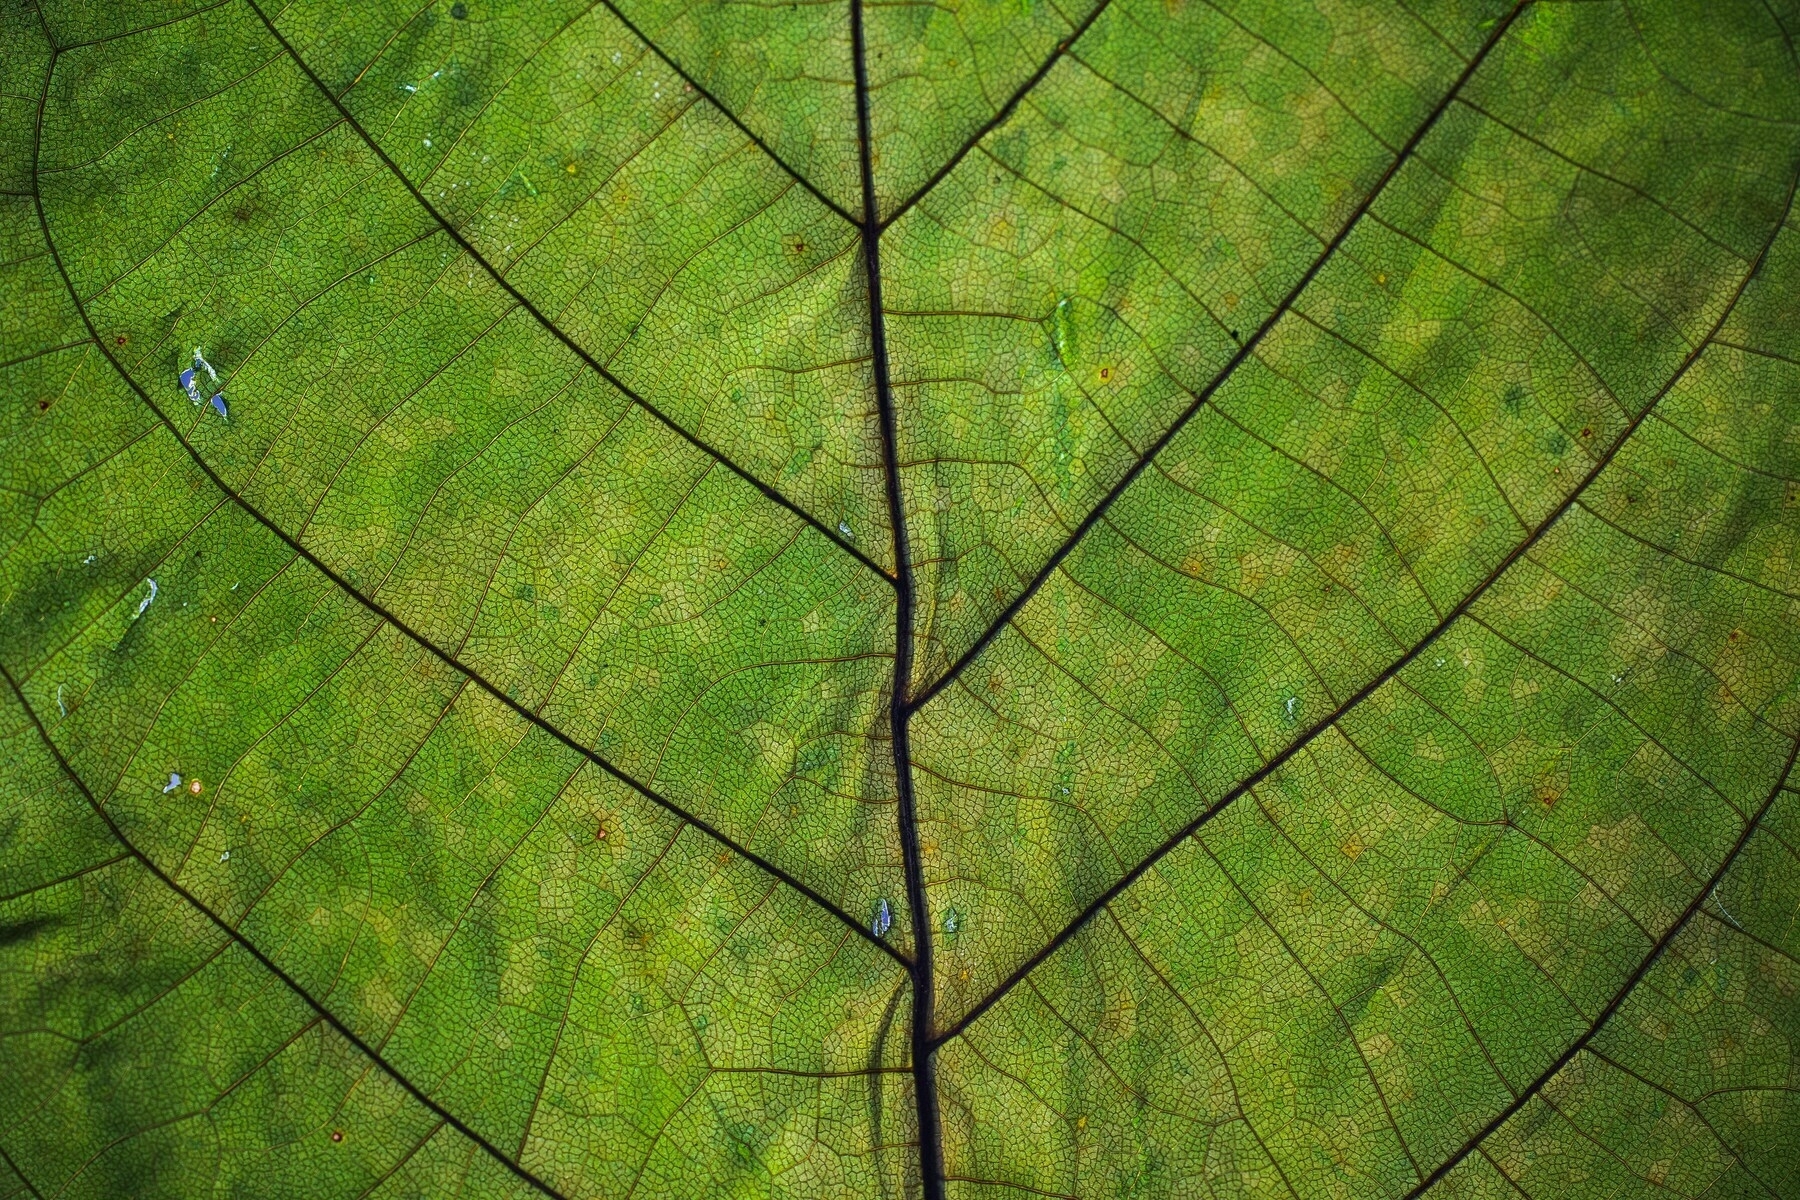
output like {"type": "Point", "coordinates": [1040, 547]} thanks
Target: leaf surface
{"type": "Point", "coordinates": [1147, 598]}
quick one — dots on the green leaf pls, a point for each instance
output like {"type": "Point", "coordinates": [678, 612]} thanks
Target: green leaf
{"type": "Point", "coordinates": [1154, 598]}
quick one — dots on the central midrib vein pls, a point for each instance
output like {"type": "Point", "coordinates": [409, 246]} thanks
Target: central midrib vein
{"type": "Point", "coordinates": [931, 1165]}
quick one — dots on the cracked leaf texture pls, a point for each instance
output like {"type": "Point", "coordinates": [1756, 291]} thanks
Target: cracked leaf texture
{"type": "Point", "coordinates": [975, 598]}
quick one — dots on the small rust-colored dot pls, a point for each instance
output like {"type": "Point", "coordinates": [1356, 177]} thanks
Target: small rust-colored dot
{"type": "Point", "coordinates": [1586, 432]}
{"type": "Point", "coordinates": [337, 1135]}
{"type": "Point", "coordinates": [600, 834]}
{"type": "Point", "coordinates": [196, 787]}
{"type": "Point", "coordinates": [120, 340]}
{"type": "Point", "coordinates": [1736, 634]}
{"type": "Point", "coordinates": [42, 405]}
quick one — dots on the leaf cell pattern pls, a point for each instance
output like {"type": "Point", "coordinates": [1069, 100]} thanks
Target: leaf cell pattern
{"type": "Point", "coordinates": [979, 599]}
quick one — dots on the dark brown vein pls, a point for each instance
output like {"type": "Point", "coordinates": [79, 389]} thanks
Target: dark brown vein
{"type": "Point", "coordinates": [717, 104]}
{"type": "Point", "coordinates": [14, 1168]}
{"type": "Point", "coordinates": [249, 947]}
{"type": "Point", "coordinates": [994, 122]}
{"type": "Point", "coordinates": [1619, 997]}
{"type": "Point", "coordinates": [900, 710]}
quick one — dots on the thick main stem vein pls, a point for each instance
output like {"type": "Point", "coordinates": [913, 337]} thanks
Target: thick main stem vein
{"type": "Point", "coordinates": [931, 1166]}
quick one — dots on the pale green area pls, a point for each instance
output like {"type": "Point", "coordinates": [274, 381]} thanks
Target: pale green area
{"type": "Point", "coordinates": [530, 702]}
